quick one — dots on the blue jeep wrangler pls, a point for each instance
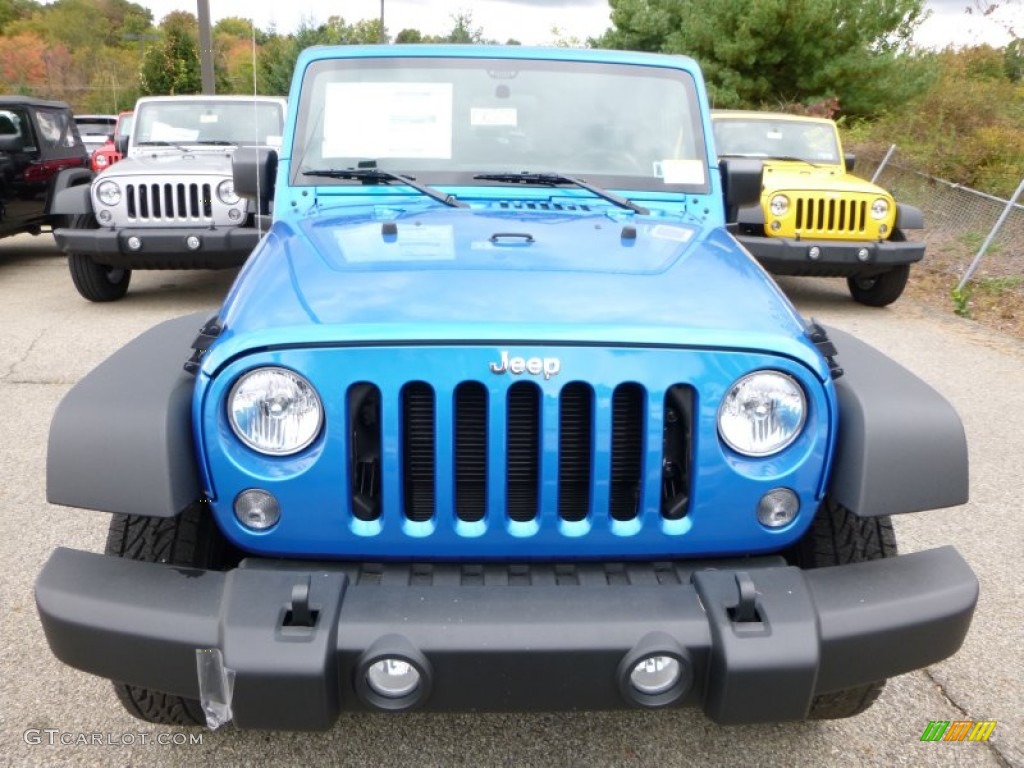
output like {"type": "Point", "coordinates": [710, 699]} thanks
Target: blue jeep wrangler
{"type": "Point", "coordinates": [499, 416]}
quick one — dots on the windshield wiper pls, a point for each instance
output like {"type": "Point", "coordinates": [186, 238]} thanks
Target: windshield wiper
{"type": "Point", "coordinates": [377, 174]}
{"type": "Point", "coordinates": [215, 143]}
{"type": "Point", "coordinates": [555, 179]}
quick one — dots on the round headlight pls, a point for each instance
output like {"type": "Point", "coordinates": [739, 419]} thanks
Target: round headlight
{"type": "Point", "coordinates": [762, 413]}
{"type": "Point", "coordinates": [226, 192]}
{"type": "Point", "coordinates": [275, 411]}
{"type": "Point", "coordinates": [779, 205]}
{"type": "Point", "coordinates": [879, 209]}
{"type": "Point", "coordinates": [108, 193]}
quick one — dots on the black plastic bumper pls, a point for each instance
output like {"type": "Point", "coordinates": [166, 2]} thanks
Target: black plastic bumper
{"type": "Point", "coordinates": [162, 248]}
{"type": "Point", "coordinates": [494, 638]}
{"type": "Point", "coordinates": [788, 256]}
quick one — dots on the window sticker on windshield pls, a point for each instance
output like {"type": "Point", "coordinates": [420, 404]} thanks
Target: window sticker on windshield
{"type": "Point", "coordinates": [774, 135]}
{"type": "Point", "coordinates": [208, 118]}
{"type": "Point", "coordinates": [172, 133]}
{"type": "Point", "coordinates": [424, 243]}
{"type": "Point", "coordinates": [495, 116]}
{"type": "Point", "coordinates": [273, 141]}
{"type": "Point", "coordinates": [681, 171]}
{"type": "Point", "coordinates": [668, 232]}
{"type": "Point", "coordinates": [375, 120]}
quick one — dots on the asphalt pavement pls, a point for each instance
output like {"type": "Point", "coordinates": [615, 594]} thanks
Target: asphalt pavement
{"type": "Point", "coordinates": [53, 715]}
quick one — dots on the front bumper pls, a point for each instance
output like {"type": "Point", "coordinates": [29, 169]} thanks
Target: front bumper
{"type": "Point", "coordinates": [162, 247]}
{"type": "Point", "coordinates": [498, 637]}
{"type": "Point", "coordinates": [789, 256]}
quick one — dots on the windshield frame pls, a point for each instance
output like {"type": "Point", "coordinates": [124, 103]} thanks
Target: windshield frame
{"type": "Point", "coordinates": [305, 119]}
{"type": "Point", "coordinates": [790, 123]}
{"type": "Point", "coordinates": [145, 108]}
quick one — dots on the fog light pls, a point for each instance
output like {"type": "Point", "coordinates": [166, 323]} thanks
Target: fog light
{"type": "Point", "coordinates": [104, 216]}
{"type": "Point", "coordinates": [257, 509]}
{"type": "Point", "coordinates": [776, 226]}
{"type": "Point", "coordinates": [134, 243]}
{"type": "Point", "coordinates": [234, 214]}
{"type": "Point", "coordinates": [393, 677]}
{"type": "Point", "coordinates": [863, 254]}
{"type": "Point", "coordinates": [777, 508]}
{"type": "Point", "coordinates": [193, 242]}
{"type": "Point", "coordinates": [655, 674]}
{"type": "Point", "coordinates": [814, 253]}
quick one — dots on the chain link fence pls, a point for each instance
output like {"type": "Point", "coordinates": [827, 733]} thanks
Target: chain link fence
{"type": "Point", "coordinates": [959, 221]}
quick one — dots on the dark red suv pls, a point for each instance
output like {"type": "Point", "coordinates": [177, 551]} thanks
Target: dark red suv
{"type": "Point", "coordinates": [38, 140]}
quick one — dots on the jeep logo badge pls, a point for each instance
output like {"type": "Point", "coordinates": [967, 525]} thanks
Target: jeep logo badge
{"type": "Point", "coordinates": [535, 366]}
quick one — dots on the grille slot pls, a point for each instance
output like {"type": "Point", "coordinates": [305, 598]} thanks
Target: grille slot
{"type": "Point", "coordinates": [364, 450]}
{"type": "Point", "coordinates": [830, 216]}
{"type": "Point", "coordinates": [523, 451]}
{"type": "Point", "coordinates": [418, 450]}
{"type": "Point", "coordinates": [470, 451]}
{"type": "Point", "coordinates": [676, 453]}
{"type": "Point", "coordinates": [192, 201]}
{"type": "Point", "coordinates": [627, 451]}
{"type": "Point", "coordinates": [575, 428]}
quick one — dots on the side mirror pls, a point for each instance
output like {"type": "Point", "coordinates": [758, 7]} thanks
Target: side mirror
{"type": "Point", "coordinates": [849, 159]}
{"type": "Point", "coordinates": [253, 170]}
{"type": "Point", "coordinates": [742, 179]}
{"type": "Point", "coordinates": [11, 143]}
{"type": "Point", "coordinates": [121, 145]}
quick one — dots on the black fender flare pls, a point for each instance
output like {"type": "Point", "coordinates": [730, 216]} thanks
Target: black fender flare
{"type": "Point", "coordinates": [900, 445]}
{"type": "Point", "coordinates": [121, 439]}
{"type": "Point", "coordinates": [71, 201]}
{"type": "Point", "coordinates": [908, 217]}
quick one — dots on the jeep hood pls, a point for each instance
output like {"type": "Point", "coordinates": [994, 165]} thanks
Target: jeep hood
{"type": "Point", "coordinates": [490, 275]}
{"type": "Point", "coordinates": [173, 162]}
{"type": "Point", "coordinates": [783, 176]}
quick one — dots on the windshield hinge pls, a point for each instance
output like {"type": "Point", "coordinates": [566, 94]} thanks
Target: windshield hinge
{"type": "Point", "coordinates": [819, 337]}
{"type": "Point", "coordinates": [207, 334]}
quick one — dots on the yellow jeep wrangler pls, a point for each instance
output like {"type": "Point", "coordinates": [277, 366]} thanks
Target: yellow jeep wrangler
{"type": "Point", "coordinates": [815, 217]}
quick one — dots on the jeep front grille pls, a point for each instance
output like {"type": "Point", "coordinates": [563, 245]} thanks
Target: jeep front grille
{"type": "Point", "coordinates": [167, 201]}
{"type": "Point", "coordinates": [462, 450]}
{"type": "Point", "coordinates": [816, 215]}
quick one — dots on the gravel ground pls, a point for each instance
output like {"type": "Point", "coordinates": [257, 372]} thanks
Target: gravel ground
{"type": "Point", "coordinates": [51, 338]}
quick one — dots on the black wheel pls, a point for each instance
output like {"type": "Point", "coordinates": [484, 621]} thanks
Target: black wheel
{"type": "Point", "coordinates": [192, 540]}
{"type": "Point", "coordinates": [879, 290]}
{"type": "Point", "coordinates": [838, 537]}
{"type": "Point", "coordinates": [96, 282]}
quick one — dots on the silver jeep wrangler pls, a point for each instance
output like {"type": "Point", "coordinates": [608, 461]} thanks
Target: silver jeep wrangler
{"type": "Point", "coordinates": [171, 203]}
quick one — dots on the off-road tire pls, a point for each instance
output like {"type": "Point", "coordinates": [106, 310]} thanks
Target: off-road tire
{"type": "Point", "coordinates": [839, 537]}
{"type": "Point", "coordinates": [190, 539]}
{"type": "Point", "coordinates": [879, 290]}
{"type": "Point", "coordinates": [95, 282]}
{"type": "Point", "coordinates": [883, 289]}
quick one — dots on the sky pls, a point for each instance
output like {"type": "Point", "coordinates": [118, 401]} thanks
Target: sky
{"type": "Point", "coordinates": [530, 21]}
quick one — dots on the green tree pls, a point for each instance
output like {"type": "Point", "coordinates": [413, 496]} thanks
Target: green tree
{"type": "Point", "coordinates": [775, 52]}
{"type": "Point", "coordinates": [12, 10]}
{"type": "Point", "coordinates": [409, 36]}
{"type": "Point", "coordinates": [277, 58]}
{"type": "Point", "coordinates": [172, 65]}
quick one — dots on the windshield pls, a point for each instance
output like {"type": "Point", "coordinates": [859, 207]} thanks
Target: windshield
{"type": "Point", "coordinates": [191, 121]}
{"type": "Point", "coordinates": [793, 139]}
{"type": "Point", "coordinates": [445, 120]}
{"type": "Point", "coordinates": [95, 125]}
